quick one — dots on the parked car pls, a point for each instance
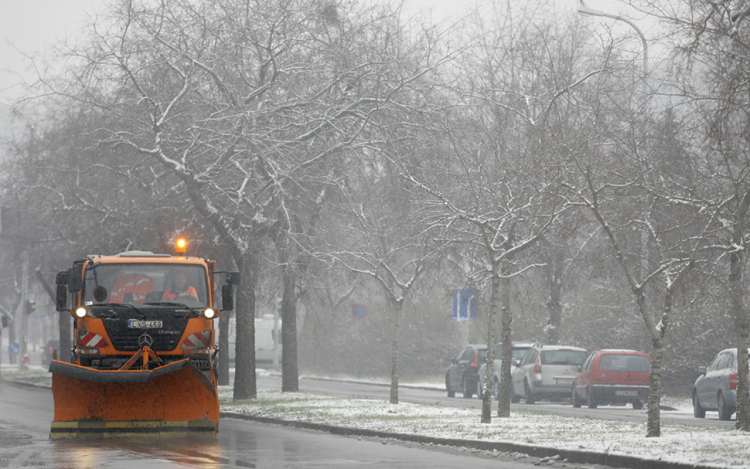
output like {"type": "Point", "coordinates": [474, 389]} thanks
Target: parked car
{"type": "Point", "coordinates": [613, 377]}
{"type": "Point", "coordinates": [462, 375]}
{"type": "Point", "coordinates": [547, 372]}
{"type": "Point", "coordinates": [49, 350]}
{"type": "Point", "coordinates": [518, 350]}
{"type": "Point", "coordinates": [716, 387]}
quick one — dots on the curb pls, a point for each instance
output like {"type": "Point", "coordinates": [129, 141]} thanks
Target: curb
{"type": "Point", "coordinates": [573, 456]}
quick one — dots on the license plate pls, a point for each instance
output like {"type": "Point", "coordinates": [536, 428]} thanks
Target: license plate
{"type": "Point", "coordinates": [626, 393]}
{"type": "Point", "coordinates": [138, 324]}
{"type": "Point", "coordinates": [563, 381]}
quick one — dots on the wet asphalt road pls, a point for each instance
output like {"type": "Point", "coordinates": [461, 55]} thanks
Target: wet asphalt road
{"type": "Point", "coordinates": [26, 413]}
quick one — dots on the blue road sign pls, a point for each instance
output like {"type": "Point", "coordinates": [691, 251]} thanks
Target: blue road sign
{"type": "Point", "coordinates": [359, 311]}
{"type": "Point", "coordinates": [465, 304]}
{"type": "Point", "coordinates": [14, 348]}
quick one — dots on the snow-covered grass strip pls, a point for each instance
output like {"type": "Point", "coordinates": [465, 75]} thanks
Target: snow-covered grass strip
{"type": "Point", "coordinates": [679, 443]}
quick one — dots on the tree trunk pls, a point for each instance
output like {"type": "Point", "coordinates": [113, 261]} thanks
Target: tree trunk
{"type": "Point", "coordinates": [289, 371]}
{"type": "Point", "coordinates": [395, 350]}
{"type": "Point", "coordinates": [244, 356]}
{"type": "Point", "coordinates": [653, 428]}
{"type": "Point", "coordinates": [503, 406]}
{"type": "Point", "coordinates": [223, 365]}
{"type": "Point", "coordinates": [741, 326]}
{"type": "Point", "coordinates": [490, 371]}
{"type": "Point", "coordinates": [554, 305]}
{"type": "Point", "coordinates": [740, 315]}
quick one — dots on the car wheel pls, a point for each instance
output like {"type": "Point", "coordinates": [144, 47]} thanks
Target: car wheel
{"type": "Point", "coordinates": [575, 399]}
{"type": "Point", "coordinates": [529, 397]}
{"type": "Point", "coordinates": [451, 393]}
{"type": "Point", "coordinates": [496, 389]}
{"type": "Point", "coordinates": [698, 411]}
{"type": "Point", "coordinates": [592, 402]}
{"type": "Point", "coordinates": [637, 405]}
{"type": "Point", "coordinates": [725, 413]}
{"type": "Point", "coordinates": [466, 387]}
{"type": "Point", "coordinates": [480, 393]}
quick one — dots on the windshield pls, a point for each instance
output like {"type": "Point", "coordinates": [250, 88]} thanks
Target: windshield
{"type": "Point", "coordinates": [141, 283]}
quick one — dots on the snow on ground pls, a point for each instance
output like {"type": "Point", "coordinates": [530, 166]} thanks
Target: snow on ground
{"type": "Point", "coordinates": [679, 443]}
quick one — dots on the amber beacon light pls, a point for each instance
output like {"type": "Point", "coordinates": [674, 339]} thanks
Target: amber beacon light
{"type": "Point", "coordinates": [180, 246]}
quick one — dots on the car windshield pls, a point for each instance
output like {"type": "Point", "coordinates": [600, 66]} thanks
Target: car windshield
{"type": "Point", "coordinates": [625, 363]}
{"type": "Point", "coordinates": [145, 283]}
{"type": "Point", "coordinates": [563, 357]}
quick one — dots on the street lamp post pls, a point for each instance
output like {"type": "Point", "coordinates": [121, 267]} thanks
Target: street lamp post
{"type": "Point", "coordinates": [585, 10]}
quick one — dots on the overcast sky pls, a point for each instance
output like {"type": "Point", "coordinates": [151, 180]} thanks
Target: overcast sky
{"type": "Point", "coordinates": [30, 26]}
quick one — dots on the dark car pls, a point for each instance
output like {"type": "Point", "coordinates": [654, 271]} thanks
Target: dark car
{"type": "Point", "coordinates": [613, 377]}
{"type": "Point", "coordinates": [463, 374]}
{"type": "Point", "coordinates": [49, 351]}
{"type": "Point", "coordinates": [716, 387]}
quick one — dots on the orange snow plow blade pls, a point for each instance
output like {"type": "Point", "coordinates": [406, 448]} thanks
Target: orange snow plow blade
{"type": "Point", "coordinates": [173, 401]}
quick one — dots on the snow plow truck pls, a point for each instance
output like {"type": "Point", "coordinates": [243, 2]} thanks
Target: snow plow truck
{"type": "Point", "coordinates": [143, 360]}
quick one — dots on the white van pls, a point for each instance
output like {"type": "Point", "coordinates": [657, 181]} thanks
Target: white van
{"type": "Point", "coordinates": [267, 339]}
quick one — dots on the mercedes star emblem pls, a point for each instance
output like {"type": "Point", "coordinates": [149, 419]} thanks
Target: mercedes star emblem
{"type": "Point", "coordinates": [145, 340]}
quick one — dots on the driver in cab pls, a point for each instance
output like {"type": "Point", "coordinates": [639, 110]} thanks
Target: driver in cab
{"type": "Point", "coordinates": [180, 289]}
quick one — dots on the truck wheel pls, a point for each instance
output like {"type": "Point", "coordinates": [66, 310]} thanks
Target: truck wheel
{"type": "Point", "coordinates": [725, 413]}
{"type": "Point", "coordinates": [529, 397]}
{"type": "Point", "coordinates": [698, 411]}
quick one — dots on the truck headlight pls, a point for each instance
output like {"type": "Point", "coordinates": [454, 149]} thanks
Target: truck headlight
{"type": "Point", "coordinates": [81, 312]}
{"type": "Point", "coordinates": [209, 313]}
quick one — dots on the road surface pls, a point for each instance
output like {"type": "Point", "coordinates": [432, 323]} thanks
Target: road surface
{"type": "Point", "coordinates": [26, 413]}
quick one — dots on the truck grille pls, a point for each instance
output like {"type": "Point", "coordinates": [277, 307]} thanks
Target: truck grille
{"type": "Point", "coordinates": [165, 338]}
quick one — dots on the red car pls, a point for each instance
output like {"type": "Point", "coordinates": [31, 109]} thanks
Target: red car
{"type": "Point", "coordinates": [613, 377]}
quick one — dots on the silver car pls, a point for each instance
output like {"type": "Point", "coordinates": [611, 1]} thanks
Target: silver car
{"type": "Point", "coordinates": [716, 387]}
{"type": "Point", "coordinates": [518, 350]}
{"type": "Point", "coordinates": [547, 372]}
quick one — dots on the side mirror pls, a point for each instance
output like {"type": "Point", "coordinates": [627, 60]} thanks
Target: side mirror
{"type": "Point", "coordinates": [74, 278]}
{"type": "Point", "coordinates": [702, 370]}
{"type": "Point", "coordinates": [227, 298]}
{"type": "Point", "coordinates": [61, 298]}
{"type": "Point", "coordinates": [62, 278]}
{"type": "Point", "coordinates": [61, 295]}
{"type": "Point", "coordinates": [233, 278]}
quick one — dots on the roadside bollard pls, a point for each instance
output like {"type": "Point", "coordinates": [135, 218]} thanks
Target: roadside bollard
{"type": "Point", "coordinates": [26, 361]}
